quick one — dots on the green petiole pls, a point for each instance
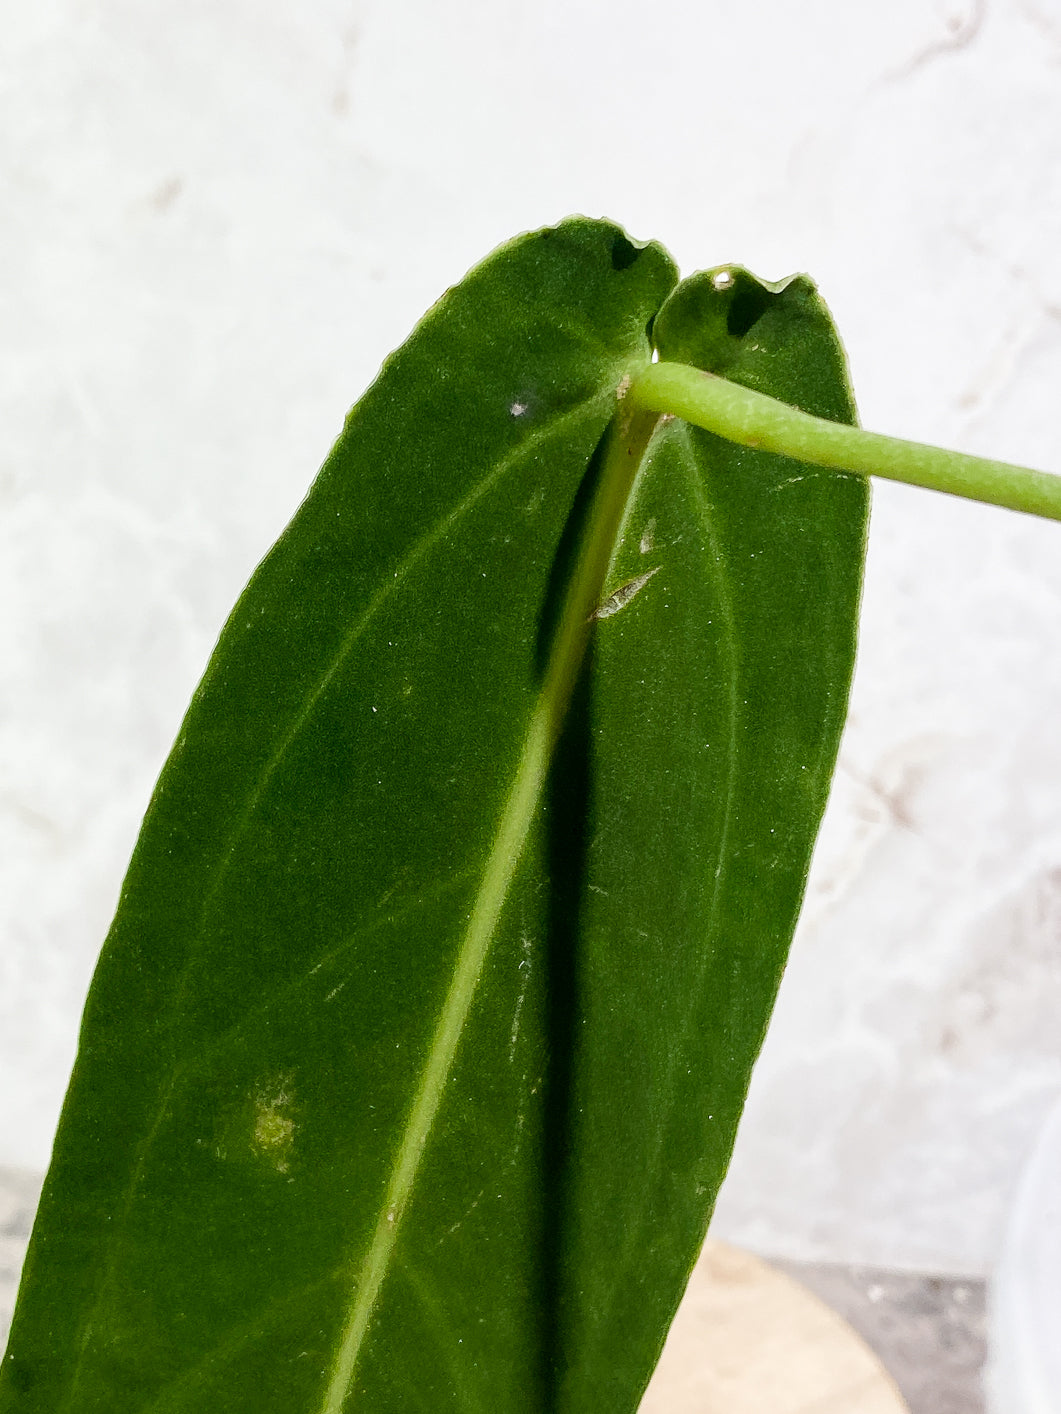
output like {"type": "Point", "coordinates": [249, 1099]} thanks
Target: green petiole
{"type": "Point", "coordinates": [755, 420]}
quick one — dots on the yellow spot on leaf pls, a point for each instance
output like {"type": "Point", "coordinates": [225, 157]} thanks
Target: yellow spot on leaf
{"type": "Point", "coordinates": [273, 1136]}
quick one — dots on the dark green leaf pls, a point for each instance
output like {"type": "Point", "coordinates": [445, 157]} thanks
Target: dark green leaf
{"type": "Point", "coordinates": [261, 1047]}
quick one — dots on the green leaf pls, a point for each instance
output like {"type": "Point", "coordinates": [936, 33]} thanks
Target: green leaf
{"type": "Point", "coordinates": [408, 1076]}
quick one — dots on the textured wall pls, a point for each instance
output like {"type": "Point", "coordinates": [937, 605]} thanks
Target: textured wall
{"type": "Point", "coordinates": [217, 218]}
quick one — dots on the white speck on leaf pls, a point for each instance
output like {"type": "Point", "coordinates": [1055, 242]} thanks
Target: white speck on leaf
{"type": "Point", "coordinates": [525, 969]}
{"type": "Point", "coordinates": [518, 409]}
{"type": "Point", "coordinates": [623, 595]}
{"type": "Point", "coordinates": [463, 1218]}
{"type": "Point", "coordinates": [648, 537]}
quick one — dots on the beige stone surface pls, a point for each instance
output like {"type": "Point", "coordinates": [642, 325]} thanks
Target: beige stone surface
{"type": "Point", "coordinates": [749, 1340]}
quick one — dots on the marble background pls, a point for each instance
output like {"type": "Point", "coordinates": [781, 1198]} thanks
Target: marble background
{"type": "Point", "coordinates": [217, 218]}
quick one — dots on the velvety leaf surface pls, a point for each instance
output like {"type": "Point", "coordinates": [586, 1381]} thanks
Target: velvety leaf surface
{"type": "Point", "coordinates": [718, 697]}
{"type": "Point", "coordinates": [265, 1005]}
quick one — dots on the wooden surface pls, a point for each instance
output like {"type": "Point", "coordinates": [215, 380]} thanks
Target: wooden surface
{"type": "Point", "coordinates": [749, 1340]}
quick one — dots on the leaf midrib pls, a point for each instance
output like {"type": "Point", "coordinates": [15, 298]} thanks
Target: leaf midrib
{"type": "Point", "coordinates": [627, 440]}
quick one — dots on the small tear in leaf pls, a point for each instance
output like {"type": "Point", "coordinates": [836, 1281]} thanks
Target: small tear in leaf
{"type": "Point", "coordinates": [722, 279]}
{"type": "Point", "coordinates": [623, 595]}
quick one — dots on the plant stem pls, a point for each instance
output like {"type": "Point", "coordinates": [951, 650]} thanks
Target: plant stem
{"type": "Point", "coordinates": [755, 420]}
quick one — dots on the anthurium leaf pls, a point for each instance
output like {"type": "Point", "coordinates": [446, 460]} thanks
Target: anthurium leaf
{"type": "Point", "coordinates": [383, 1103]}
